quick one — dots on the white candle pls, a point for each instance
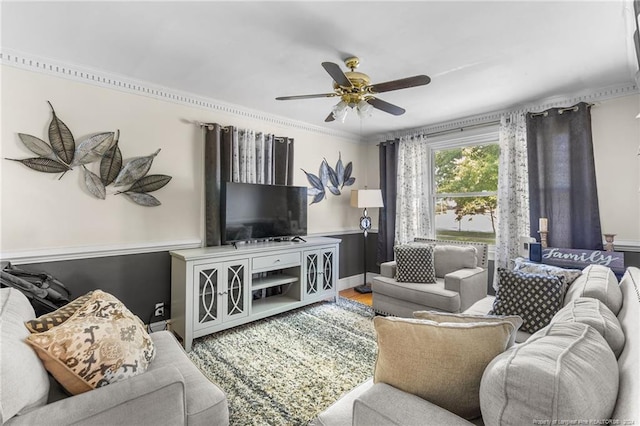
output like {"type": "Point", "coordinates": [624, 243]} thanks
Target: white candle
{"type": "Point", "coordinates": [543, 224]}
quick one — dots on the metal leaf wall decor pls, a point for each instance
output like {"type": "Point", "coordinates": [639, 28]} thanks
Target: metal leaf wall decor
{"type": "Point", "coordinates": [62, 154]}
{"type": "Point", "coordinates": [332, 179]}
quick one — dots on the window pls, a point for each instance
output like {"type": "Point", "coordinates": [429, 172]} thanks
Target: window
{"type": "Point", "coordinates": [466, 184]}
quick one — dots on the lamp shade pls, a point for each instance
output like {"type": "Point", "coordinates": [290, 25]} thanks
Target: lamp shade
{"type": "Point", "coordinates": [364, 198]}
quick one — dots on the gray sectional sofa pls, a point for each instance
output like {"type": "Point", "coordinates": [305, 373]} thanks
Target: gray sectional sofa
{"type": "Point", "coordinates": [171, 392]}
{"type": "Point", "coordinates": [580, 369]}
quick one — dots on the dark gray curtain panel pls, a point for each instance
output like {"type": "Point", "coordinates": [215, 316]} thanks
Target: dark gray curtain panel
{"type": "Point", "coordinates": [562, 177]}
{"type": "Point", "coordinates": [388, 154]}
{"type": "Point", "coordinates": [283, 161]}
{"type": "Point", "coordinates": [213, 157]}
{"type": "Point", "coordinates": [222, 154]}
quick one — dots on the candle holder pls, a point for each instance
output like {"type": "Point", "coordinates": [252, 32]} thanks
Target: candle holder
{"type": "Point", "coordinates": [609, 239]}
{"type": "Point", "coordinates": [543, 238]}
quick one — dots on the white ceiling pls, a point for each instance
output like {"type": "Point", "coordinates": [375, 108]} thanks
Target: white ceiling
{"type": "Point", "coordinates": [481, 56]}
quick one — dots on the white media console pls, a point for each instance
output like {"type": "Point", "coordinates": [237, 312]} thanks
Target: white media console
{"type": "Point", "coordinates": [215, 288]}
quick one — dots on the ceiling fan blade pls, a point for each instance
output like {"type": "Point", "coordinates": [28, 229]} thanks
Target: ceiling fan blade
{"type": "Point", "coordinates": [385, 106]}
{"type": "Point", "coordinates": [329, 118]}
{"type": "Point", "coordinates": [337, 74]}
{"type": "Point", "coordinates": [403, 83]}
{"type": "Point", "coordinates": [320, 95]}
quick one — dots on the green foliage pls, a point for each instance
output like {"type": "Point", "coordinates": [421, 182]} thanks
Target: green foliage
{"type": "Point", "coordinates": [468, 170]}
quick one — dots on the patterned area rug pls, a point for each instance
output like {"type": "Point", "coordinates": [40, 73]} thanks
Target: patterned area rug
{"type": "Point", "coordinates": [287, 369]}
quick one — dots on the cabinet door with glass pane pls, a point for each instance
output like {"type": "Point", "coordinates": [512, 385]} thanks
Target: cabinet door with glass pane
{"type": "Point", "coordinates": [221, 293]}
{"type": "Point", "coordinates": [319, 273]}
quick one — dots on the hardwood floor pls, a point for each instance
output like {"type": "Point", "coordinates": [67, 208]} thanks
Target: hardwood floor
{"type": "Point", "coordinates": [350, 293]}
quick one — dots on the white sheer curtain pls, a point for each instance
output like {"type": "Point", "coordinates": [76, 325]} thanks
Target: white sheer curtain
{"type": "Point", "coordinates": [513, 190]}
{"type": "Point", "coordinates": [252, 157]}
{"type": "Point", "coordinates": [414, 202]}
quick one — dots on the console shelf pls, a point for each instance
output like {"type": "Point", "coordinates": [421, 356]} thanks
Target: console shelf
{"type": "Point", "coordinates": [273, 281]}
{"type": "Point", "coordinates": [273, 303]}
{"type": "Point", "coordinates": [212, 288]}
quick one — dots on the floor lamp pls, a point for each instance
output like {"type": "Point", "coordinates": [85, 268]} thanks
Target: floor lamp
{"type": "Point", "coordinates": [363, 198]}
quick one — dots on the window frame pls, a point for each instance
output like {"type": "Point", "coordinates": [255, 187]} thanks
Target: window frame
{"type": "Point", "coordinates": [480, 136]}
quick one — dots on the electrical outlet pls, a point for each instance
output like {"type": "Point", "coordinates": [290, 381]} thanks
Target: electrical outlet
{"type": "Point", "coordinates": [159, 310]}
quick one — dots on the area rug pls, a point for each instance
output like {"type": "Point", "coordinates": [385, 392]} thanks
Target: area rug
{"type": "Point", "coordinates": [287, 369]}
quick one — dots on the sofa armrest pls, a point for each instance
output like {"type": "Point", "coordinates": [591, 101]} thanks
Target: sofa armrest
{"type": "Point", "coordinates": [388, 269]}
{"type": "Point", "coordinates": [384, 405]}
{"type": "Point", "coordinates": [471, 283]}
{"type": "Point", "coordinates": [152, 398]}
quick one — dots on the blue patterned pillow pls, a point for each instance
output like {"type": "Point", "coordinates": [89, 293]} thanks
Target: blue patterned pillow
{"type": "Point", "coordinates": [535, 298]}
{"type": "Point", "coordinates": [415, 263]}
{"type": "Point", "coordinates": [523, 265]}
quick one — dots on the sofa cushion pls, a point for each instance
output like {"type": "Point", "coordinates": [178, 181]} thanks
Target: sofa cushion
{"type": "Point", "coordinates": [384, 405]}
{"type": "Point", "coordinates": [415, 263]}
{"type": "Point", "coordinates": [627, 407]}
{"type": "Point", "coordinates": [484, 305]}
{"type": "Point", "coordinates": [596, 314]}
{"type": "Point", "coordinates": [448, 259]}
{"type": "Point", "coordinates": [206, 404]}
{"type": "Point", "coordinates": [25, 383]}
{"type": "Point", "coordinates": [535, 298]}
{"type": "Point", "coordinates": [49, 320]}
{"type": "Point", "coordinates": [434, 295]}
{"type": "Point", "coordinates": [442, 363]}
{"type": "Point", "coordinates": [565, 371]}
{"type": "Point", "coordinates": [524, 265]}
{"type": "Point", "coordinates": [101, 343]}
{"type": "Point", "coordinates": [444, 317]}
{"type": "Point", "coordinates": [598, 282]}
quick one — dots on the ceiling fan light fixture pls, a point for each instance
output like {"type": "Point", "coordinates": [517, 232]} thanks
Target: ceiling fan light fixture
{"type": "Point", "coordinates": [340, 111]}
{"type": "Point", "coordinates": [365, 109]}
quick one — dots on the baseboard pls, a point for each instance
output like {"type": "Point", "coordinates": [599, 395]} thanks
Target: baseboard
{"type": "Point", "coordinates": [354, 280]}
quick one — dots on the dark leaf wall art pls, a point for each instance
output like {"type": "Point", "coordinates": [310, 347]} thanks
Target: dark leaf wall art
{"type": "Point", "coordinates": [332, 179]}
{"type": "Point", "coordinates": [62, 154]}
{"type": "Point", "coordinates": [61, 138]}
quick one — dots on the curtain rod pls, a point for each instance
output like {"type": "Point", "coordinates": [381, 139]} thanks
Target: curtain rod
{"type": "Point", "coordinates": [560, 110]}
{"type": "Point", "coordinates": [454, 130]}
{"type": "Point", "coordinates": [462, 129]}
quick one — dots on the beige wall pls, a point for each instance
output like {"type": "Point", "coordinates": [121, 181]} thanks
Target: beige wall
{"type": "Point", "coordinates": [616, 141]}
{"type": "Point", "coordinates": [40, 212]}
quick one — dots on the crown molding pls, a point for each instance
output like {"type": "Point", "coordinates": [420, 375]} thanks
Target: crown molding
{"type": "Point", "coordinates": [592, 96]}
{"type": "Point", "coordinates": [125, 84]}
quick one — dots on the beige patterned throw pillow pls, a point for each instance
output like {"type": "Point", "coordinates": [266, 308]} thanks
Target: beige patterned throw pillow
{"type": "Point", "coordinates": [101, 343]}
{"type": "Point", "coordinates": [49, 320]}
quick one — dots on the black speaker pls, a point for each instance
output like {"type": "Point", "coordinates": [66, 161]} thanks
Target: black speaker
{"type": "Point", "coordinates": [535, 252]}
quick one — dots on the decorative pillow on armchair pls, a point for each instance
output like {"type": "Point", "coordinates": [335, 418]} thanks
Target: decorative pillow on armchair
{"type": "Point", "coordinates": [415, 263]}
{"type": "Point", "coordinates": [101, 343]}
{"type": "Point", "coordinates": [535, 298]}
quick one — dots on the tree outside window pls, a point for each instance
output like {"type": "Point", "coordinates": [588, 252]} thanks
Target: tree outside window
{"type": "Point", "coordinates": [466, 181]}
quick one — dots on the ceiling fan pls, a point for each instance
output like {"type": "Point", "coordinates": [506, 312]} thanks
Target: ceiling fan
{"type": "Point", "coordinates": [356, 91]}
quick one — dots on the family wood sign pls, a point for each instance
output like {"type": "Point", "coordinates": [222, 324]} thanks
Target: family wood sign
{"type": "Point", "coordinates": [579, 259]}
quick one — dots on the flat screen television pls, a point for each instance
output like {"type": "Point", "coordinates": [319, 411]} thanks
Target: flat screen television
{"type": "Point", "coordinates": [252, 211]}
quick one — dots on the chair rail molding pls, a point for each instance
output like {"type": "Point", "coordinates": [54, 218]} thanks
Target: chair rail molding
{"type": "Point", "coordinates": [21, 257]}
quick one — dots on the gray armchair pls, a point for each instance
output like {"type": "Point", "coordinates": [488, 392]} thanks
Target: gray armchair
{"type": "Point", "coordinates": [461, 280]}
